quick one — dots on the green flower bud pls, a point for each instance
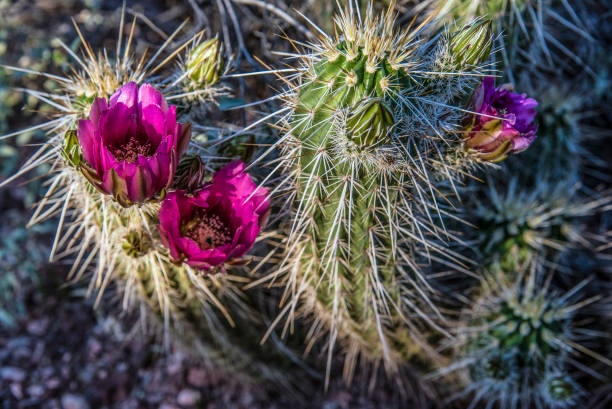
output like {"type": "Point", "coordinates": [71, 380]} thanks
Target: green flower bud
{"type": "Point", "coordinates": [205, 63]}
{"type": "Point", "coordinates": [472, 44]}
{"type": "Point", "coordinates": [71, 150]}
{"type": "Point", "coordinates": [370, 122]}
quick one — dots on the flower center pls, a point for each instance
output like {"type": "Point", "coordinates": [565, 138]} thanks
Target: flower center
{"type": "Point", "coordinates": [208, 230]}
{"type": "Point", "coordinates": [135, 145]}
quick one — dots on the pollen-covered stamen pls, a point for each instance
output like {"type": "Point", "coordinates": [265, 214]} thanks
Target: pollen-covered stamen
{"type": "Point", "coordinates": [136, 144]}
{"type": "Point", "coordinates": [207, 230]}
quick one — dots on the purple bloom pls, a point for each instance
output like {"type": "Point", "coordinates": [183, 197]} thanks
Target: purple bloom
{"type": "Point", "coordinates": [217, 224]}
{"type": "Point", "coordinates": [133, 144]}
{"type": "Point", "coordinates": [494, 139]}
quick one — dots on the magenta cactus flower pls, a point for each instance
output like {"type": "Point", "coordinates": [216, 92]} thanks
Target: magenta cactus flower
{"type": "Point", "coordinates": [217, 224]}
{"type": "Point", "coordinates": [132, 145]}
{"type": "Point", "coordinates": [507, 124]}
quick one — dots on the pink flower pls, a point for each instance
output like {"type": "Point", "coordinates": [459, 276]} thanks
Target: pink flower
{"type": "Point", "coordinates": [511, 131]}
{"type": "Point", "coordinates": [218, 223]}
{"type": "Point", "coordinates": [133, 144]}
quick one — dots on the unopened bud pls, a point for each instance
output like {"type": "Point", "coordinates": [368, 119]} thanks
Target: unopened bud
{"type": "Point", "coordinates": [190, 173]}
{"type": "Point", "coordinates": [71, 150]}
{"type": "Point", "coordinates": [472, 44]}
{"type": "Point", "coordinates": [205, 63]}
{"type": "Point", "coordinates": [370, 122]}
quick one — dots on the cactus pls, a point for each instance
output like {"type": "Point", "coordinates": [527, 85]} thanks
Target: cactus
{"type": "Point", "coordinates": [115, 240]}
{"type": "Point", "coordinates": [371, 142]}
{"type": "Point", "coordinates": [515, 347]}
{"type": "Point", "coordinates": [523, 224]}
{"type": "Point", "coordinates": [529, 33]}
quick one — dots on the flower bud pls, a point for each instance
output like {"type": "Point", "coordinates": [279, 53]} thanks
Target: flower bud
{"type": "Point", "coordinates": [502, 122]}
{"type": "Point", "coordinates": [190, 173]}
{"type": "Point", "coordinates": [71, 151]}
{"type": "Point", "coordinates": [204, 63]}
{"type": "Point", "coordinates": [487, 135]}
{"type": "Point", "coordinates": [370, 122]}
{"type": "Point", "coordinates": [472, 44]}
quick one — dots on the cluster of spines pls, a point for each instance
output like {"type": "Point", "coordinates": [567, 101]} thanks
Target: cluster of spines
{"type": "Point", "coordinates": [534, 33]}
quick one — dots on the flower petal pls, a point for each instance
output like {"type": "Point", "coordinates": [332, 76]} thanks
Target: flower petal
{"type": "Point", "coordinates": [99, 105]}
{"type": "Point", "coordinates": [154, 122]}
{"type": "Point", "coordinates": [86, 135]}
{"type": "Point", "coordinates": [126, 95]}
{"type": "Point", "coordinates": [116, 124]}
{"type": "Point", "coordinates": [148, 95]}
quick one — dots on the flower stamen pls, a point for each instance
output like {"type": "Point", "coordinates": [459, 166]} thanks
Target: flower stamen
{"type": "Point", "coordinates": [136, 145]}
{"type": "Point", "coordinates": [207, 230]}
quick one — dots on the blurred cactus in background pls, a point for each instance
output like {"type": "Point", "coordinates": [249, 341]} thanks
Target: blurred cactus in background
{"type": "Point", "coordinates": [521, 225]}
{"type": "Point", "coordinates": [518, 341]}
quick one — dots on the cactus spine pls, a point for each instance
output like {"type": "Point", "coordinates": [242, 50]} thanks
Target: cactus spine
{"type": "Point", "coordinates": [370, 130]}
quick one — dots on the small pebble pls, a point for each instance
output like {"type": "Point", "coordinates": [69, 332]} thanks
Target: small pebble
{"type": "Point", "coordinates": [10, 373]}
{"type": "Point", "coordinates": [53, 383]}
{"type": "Point", "coordinates": [36, 391]}
{"type": "Point", "coordinates": [70, 401]}
{"type": "Point", "coordinates": [38, 327]}
{"type": "Point", "coordinates": [188, 397]}
{"type": "Point", "coordinates": [16, 390]}
{"type": "Point", "coordinates": [167, 406]}
{"type": "Point", "coordinates": [198, 377]}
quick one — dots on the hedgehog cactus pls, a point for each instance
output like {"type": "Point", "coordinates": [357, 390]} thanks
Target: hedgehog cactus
{"type": "Point", "coordinates": [518, 340]}
{"type": "Point", "coordinates": [371, 124]}
{"type": "Point", "coordinates": [561, 143]}
{"type": "Point", "coordinates": [519, 224]}
{"type": "Point", "coordinates": [117, 148]}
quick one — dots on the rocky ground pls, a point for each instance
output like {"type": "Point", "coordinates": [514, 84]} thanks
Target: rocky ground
{"type": "Point", "coordinates": [63, 354]}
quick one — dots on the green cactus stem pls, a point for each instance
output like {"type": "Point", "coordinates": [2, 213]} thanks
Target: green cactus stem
{"type": "Point", "coordinates": [372, 119]}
